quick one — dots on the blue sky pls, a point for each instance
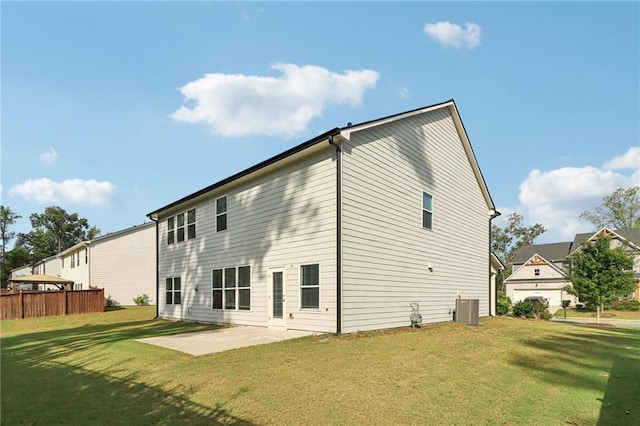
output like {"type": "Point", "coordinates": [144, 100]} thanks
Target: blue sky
{"type": "Point", "coordinates": [114, 109]}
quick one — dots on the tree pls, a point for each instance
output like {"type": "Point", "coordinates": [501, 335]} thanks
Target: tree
{"type": "Point", "coordinates": [8, 218]}
{"type": "Point", "coordinates": [505, 242]}
{"type": "Point", "coordinates": [620, 210]}
{"type": "Point", "coordinates": [600, 274]}
{"type": "Point", "coordinates": [54, 231]}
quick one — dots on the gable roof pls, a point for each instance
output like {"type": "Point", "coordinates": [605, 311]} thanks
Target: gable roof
{"type": "Point", "coordinates": [629, 236]}
{"type": "Point", "coordinates": [496, 263]}
{"type": "Point", "coordinates": [535, 260]}
{"type": "Point", "coordinates": [344, 132]}
{"type": "Point", "coordinates": [553, 252]}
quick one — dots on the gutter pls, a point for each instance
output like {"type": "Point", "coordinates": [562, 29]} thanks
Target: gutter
{"type": "Point", "coordinates": [495, 291]}
{"type": "Point", "coordinates": [338, 235]}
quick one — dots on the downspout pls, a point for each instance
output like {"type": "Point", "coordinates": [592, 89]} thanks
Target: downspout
{"type": "Point", "coordinates": [495, 290]}
{"type": "Point", "coordinates": [157, 268]}
{"type": "Point", "coordinates": [338, 235]}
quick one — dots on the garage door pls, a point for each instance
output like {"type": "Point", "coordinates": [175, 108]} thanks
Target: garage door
{"type": "Point", "coordinates": [554, 296]}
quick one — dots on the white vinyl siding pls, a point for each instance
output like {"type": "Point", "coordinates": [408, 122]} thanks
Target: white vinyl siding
{"type": "Point", "coordinates": [124, 264]}
{"type": "Point", "coordinates": [386, 250]}
{"type": "Point", "coordinates": [282, 219]}
{"type": "Point", "coordinates": [75, 271]}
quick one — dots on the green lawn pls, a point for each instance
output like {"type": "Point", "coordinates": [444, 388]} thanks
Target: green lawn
{"type": "Point", "coordinates": [87, 369]}
{"type": "Point", "coordinates": [610, 314]}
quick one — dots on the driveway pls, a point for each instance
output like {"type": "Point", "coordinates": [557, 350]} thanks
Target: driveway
{"type": "Point", "coordinates": [223, 339]}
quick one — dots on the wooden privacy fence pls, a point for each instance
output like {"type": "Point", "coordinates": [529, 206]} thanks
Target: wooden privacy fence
{"type": "Point", "coordinates": [49, 303]}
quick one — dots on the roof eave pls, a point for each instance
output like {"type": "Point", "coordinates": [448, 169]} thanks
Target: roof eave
{"type": "Point", "coordinates": [273, 160]}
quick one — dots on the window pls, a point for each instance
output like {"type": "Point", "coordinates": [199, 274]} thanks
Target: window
{"type": "Point", "coordinates": [73, 260]}
{"type": "Point", "coordinates": [310, 286]}
{"type": "Point", "coordinates": [180, 220]}
{"type": "Point", "coordinates": [216, 286]}
{"type": "Point", "coordinates": [77, 286]}
{"type": "Point", "coordinates": [176, 225]}
{"type": "Point", "coordinates": [191, 224]}
{"type": "Point", "coordinates": [173, 291]}
{"type": "Point", "coordinates": [536, 272]}
{"type": "Point", "coordinates": [231, 288]}
{"type": "Point", "coordinates": [221, 213]}
{"type": "Point", "coordinates": [427, 210]}
{"type": "Point", "coordinates": [86, 256]}
{"type": "Point", "coordinates": [244, 288]}
{"type": "Point", "coordinates": [171, 230]}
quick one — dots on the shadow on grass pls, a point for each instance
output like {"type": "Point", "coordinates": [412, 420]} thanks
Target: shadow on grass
{"type": "Point", "coordinates": [621, 401]}
{"type": "Point", "coordinates": [46, 379]}
{"type": "Point", "coordinates": [46, 343]}
{"type": "Point", "coordinates": [572, 358]}
{"type": "Point", "coordinates": [65, 394]}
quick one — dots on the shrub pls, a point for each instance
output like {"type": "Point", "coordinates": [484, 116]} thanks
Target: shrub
{"type": "Point", "coordinates": [141, 300]}
{"type": "Point", "coordinates": [109, 302]}
{"type": "Point", "coordinates": [620, 308]}
{"type": "Point", "coordinates": [504, 304]}
{"type": "Point", "coordinates": [635, 308]}
{"type": "Point", "coordinates": [545, 315]}
{"type": "Point", "coordinates": [524, 309]}
{"type": "Point", "coordinates": [579, 306]}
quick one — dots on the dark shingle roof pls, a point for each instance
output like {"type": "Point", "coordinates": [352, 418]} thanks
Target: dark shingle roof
{"type": "Point", "coordinates": [632, 235]}
{"type": "Point", "coordinates": [559, 251]}
{"type": "Point", "coordinates": [551, 252]}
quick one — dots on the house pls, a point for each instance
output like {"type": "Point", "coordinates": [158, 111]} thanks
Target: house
{"type": "Point", "coordinates": [496, 266]}
{"type": "Point", "coordinates": [48, 266]}
{"type": "Point", "coordinates": [541, 269]}
{"type": "Point", "coordinates": [338, 234]}
{"type": "Point", "coordinates": [122, 262]}
{"type": "Point", "coordinates": [21, 271]}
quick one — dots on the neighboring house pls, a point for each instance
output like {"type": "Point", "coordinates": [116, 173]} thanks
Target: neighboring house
{"type": "Point", "coordinates": [48, 266]}
{"type": "Point", "coordinates": [20, 272]}
{"type": "Point", "coordinates": [123, 263]}
{"type": "Point", "coordinates": [496, 266]}
{"type": "Point", "coordinates": [338, 234]}
{"type": "Point", "coordinates": [541, 269]}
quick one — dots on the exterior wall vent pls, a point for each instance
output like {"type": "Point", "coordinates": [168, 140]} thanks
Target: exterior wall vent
{"type": "Point", "coordinates": [468, 311]}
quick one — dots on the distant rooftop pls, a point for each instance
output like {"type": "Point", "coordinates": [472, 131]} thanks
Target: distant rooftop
{"type": "Point", "coordinates": [551, 252]}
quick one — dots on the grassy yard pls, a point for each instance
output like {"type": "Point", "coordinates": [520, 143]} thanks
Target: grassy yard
{"type": "Point", "coordinates": [87, 369]}
{"type": "Point", "coordinates": [609, 314]}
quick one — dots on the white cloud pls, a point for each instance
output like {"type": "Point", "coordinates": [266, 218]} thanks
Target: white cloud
{"type": "Point", "coordinates": [453, 35]}
{"type": "Point", "coordinates": [628, 160]}
{"type": "Point", "coordinates": [50, 156]}
{"type": "Point", "coordinates": [240, 105]}
{"type": "Point", "coordinates": [75, 191]}
{"type": "Point", "coordinates": [556, 198]}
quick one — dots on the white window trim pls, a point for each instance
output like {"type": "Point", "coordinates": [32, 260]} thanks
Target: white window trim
{"type": "Point", "coordinates": [187, 224]}
{"type": "Point", "coordinates": [226, 212]}
{"type": "Point", "coordinates": [173, 291]}
{"type": "Point", "coordinates": [422, 209]}
{"type": "Point", "coordinates": [300, 308]}
{"type": "Point", "coordinates": [237, 289]}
